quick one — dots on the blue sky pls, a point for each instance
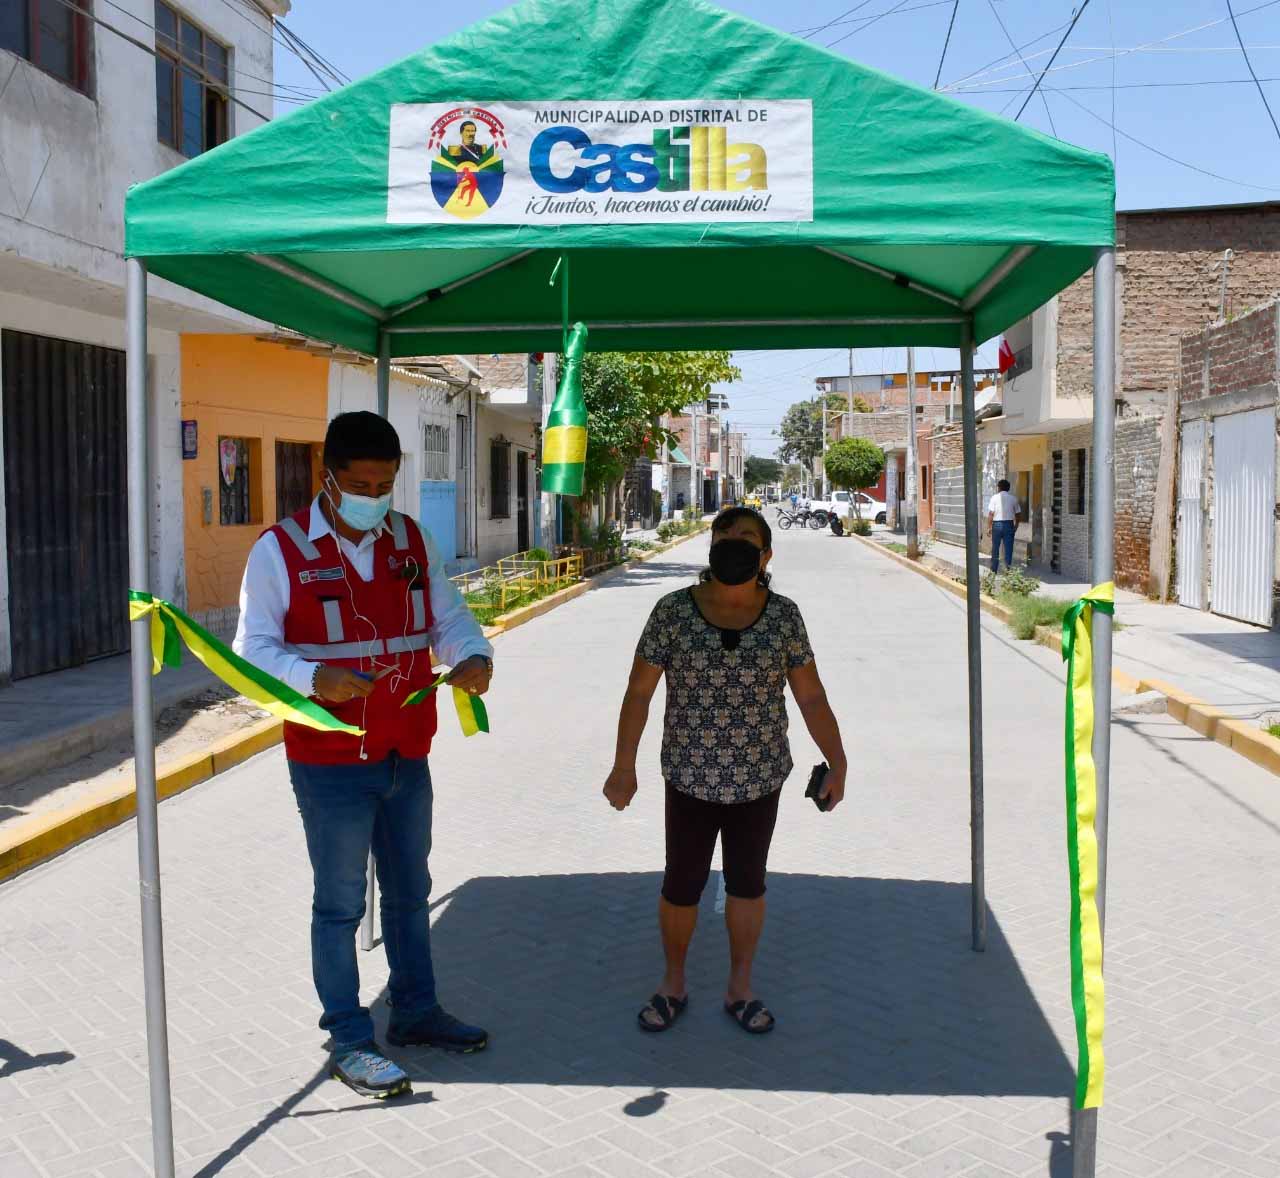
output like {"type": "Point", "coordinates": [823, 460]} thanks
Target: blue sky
{"type": "Point", "coordinates": [1181, 88]}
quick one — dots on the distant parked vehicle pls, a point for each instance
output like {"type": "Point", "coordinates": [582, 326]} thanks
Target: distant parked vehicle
{"type": "Point", "coordinates": [842, 503]}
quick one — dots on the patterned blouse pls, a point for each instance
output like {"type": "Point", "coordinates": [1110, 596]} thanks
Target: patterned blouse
{"type": "Point", "coordinates": [725, 734]}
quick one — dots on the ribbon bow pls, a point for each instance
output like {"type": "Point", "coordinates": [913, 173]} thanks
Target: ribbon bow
{"type": "Point", "coordinates": [171, 628]}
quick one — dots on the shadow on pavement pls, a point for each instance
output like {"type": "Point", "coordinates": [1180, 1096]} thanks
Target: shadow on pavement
{"type": "Point", "coordinates": [14, 1060]}
{"type": "Point", "coordinates": [874, 984]}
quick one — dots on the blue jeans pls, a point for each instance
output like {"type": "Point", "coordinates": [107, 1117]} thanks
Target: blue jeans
{"type": "Point", "coordinates": [1002, 531]}
{"type": "Point", "coordinates": [347, 810]}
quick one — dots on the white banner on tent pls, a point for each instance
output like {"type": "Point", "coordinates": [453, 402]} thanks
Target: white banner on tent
{"type": "Point", "coordinates": [601, 163]}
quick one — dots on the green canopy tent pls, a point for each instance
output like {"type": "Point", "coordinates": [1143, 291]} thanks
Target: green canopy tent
{"type": "Point", "coordinates": [714, 184]}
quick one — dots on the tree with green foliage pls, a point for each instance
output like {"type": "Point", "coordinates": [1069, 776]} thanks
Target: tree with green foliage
{"type": "Point", "coordinates": [760, 472]}
{"type": "Point", "coordinates": [861, 404]}
{"type": "Point", "coordinates": [626, 394]}
{"type": "Point", "coordinates": [854, 464]}
{"type": "Point", "coordinates": [802, 426]}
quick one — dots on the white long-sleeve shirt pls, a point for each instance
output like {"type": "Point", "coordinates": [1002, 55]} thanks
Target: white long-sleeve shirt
{"type": "Point", "coordinates": [264, 600]}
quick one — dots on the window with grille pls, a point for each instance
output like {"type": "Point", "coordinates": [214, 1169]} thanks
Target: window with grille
{"type": "Point", "coordinates": [435, 453]}
{"type": "Point", "coordinates": [193, 83]}
{"type": "Point", "coordinates": [1079, 480]}
{"type": "Point", "coordinates": [499, 480]}
{"type": "Point", "coordinates": [239, 481]}
{"type": "Point", "coordinates": [294, 468]}
{"type": "Point", "coordinates": [53, 36]}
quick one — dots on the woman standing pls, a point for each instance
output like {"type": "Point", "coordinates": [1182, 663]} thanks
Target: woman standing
{"type": "Point", "coordinates": [729, 647]}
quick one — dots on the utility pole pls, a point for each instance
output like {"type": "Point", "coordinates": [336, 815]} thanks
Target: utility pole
{"type": "Point", "coordinates": [850, 393]}
{"type": "Point", "coordinates": [822, 416]}
{"type": "Point", "coordinates": [695, 483]}
{"type": "Point", "coordinates": [913, 536]}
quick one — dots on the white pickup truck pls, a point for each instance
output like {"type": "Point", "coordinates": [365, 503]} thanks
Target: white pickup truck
{"type": "Point", "coordinates": [841, 503]}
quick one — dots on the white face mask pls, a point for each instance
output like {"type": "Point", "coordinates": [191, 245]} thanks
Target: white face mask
{"type": "Point", "coordinates": [361, 512]}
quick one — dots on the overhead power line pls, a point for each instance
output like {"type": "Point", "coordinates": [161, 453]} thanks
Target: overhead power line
{"type": "Point", "coordinates": [1261, 92]}
{"type": "Point", "coordinates": [1004, 29]}
{"type": "Point", "coordinates": [871, 20]}
{"type": "Point", "coordinates": [1164, 154]}
{"type": "Point", "coordinates": [1074, 20]}
{"type": "Point", "coordinates": [835, 20]}
{"type": "Point", "coordinates": [947, 43]}
{"type": "Point", "coordinates": [150, 49]}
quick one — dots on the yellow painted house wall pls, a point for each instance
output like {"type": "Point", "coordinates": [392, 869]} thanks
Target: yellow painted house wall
{"type": "Point", "coordinates": [238, 386]}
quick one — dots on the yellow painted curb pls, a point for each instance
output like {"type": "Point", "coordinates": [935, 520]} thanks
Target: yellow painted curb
{"type": "Point", "coordinates": [43, 836]}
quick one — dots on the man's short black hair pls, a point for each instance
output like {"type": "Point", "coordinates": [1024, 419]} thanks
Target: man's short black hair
{"type": "Point", "coordinates": [467, 124]}
{"type": "Point", "coordinates": [1002, 485]}
{"type": "Point", "coordinates": [355, 436]}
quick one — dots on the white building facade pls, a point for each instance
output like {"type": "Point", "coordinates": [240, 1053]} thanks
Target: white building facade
{"type": "Point", "coordinates": [85, 112]}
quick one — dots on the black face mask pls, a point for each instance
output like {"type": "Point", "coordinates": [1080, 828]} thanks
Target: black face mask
{"type": "Point", "coordinates": [734, 562]}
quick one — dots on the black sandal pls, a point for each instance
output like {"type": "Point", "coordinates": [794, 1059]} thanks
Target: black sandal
{"type": "Point", "coordinates": [744, 1014]}
{"type": "Point", "coordinates": [667, 1008]}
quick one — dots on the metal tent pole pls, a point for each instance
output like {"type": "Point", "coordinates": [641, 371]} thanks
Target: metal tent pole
{"type": "Point", "coordinates": [973, 600]}
{"type": "Point", "coordinates": [1084, 1136]}
{"type": "Point", "coordinates": [144, 745]}
{"type": "Point", "coordinates": [368, 936]}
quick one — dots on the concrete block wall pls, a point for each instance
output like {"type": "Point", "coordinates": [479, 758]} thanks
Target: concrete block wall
{"type": "Point", "coordinates": [1075, 527]}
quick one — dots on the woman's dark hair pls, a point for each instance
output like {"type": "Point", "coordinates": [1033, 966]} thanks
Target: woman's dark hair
{"type": "Point", "coordinates": [355, 436]}
{"type": "Point", "coordinates": [726, 520]}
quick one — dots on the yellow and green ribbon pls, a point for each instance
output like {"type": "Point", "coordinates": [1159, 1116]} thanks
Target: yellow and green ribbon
{"type": "Point", "coordinates": [1082, 842]}
{"type": "Point", "coordinates": [171, 628]}
{"type": "Point", "coordinates": [472, 714]}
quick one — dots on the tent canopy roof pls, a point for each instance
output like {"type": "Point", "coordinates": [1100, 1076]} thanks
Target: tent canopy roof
{"type": "Point", "coordinates": [925, 212]}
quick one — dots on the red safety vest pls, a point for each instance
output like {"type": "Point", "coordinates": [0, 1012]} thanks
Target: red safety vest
{"type": "Point", "coordinates": [337, 617]}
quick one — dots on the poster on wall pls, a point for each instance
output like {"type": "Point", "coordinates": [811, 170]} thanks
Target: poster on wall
{"type": "Point", "coordinates": [228, 455]}
{"type": "Point", "coordinates": [189, 435]}
{"type": "Point", "coordinates": [693, 161]}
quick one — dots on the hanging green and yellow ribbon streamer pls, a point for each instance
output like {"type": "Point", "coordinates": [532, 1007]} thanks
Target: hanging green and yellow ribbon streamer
{"type": "Point", "coordinates": [564, 445]}
{"type": "Point", "coordinates": [170, 628]}
{"type": "Point", "coordinates": [472, 714]}
{"type": "Point", "coordinates": [1082, 841]}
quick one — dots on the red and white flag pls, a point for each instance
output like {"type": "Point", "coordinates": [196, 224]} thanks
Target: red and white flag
{"type": "Point", "coordinates": [1006, 356]}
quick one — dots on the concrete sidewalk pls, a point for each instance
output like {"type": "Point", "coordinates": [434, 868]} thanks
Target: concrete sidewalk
{"type": "Point", "coordinates": [1232, 666]}
{"type": "Point", "coordinates": [899, 1051]}
{"type": "Point", "coordinates": [54, 719]}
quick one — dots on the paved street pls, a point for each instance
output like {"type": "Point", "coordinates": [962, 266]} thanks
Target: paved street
{"type": "Point", "coordinates": [899, 1051]}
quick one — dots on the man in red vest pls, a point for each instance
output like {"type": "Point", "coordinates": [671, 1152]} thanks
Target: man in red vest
{"type": "Point", "coordinates": [347, 601]}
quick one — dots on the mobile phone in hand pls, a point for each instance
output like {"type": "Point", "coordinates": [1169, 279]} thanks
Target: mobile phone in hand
{"type": "Point", "coordinates": [816, 780]}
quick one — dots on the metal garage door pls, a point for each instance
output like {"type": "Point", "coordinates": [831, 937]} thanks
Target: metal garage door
{"type": "Point", "coordinates": [1244, 505]}
{"type": "Point", "coordinates": [1191, 516]}
{"type": "Point", "coordinates": [66, 501]}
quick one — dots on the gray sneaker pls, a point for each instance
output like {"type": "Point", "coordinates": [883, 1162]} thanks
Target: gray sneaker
{"type": "Point", "coordinates": [366, 1071]}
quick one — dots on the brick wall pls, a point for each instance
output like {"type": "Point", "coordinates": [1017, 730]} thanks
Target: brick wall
{"type": "Point", "coordinates": [1169, 282]}
{"type": "Point", "coordinates": [1137, 462]}
{"type": "Point", "coordinates": [890, 428]}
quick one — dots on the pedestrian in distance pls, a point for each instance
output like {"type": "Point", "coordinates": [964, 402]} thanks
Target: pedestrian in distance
{"type": "Point", "coordinates": [725, 752]}
{"type": "Point", "coordinates": [1003, 515]}
{"type": "Point", "coordinates": [345, 602]}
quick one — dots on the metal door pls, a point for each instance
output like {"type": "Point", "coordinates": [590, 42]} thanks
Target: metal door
{"type": "Point", "coordinates": [1244, 512]}
{"type": "Point", "coordinates": [462, 480]}
{"type": "Point", "coordinates": [1055, 514]}
{"type": "Point", "coordinates": [1191, 516]}
{"type": "Point", "coordinates": [293, 478]}
{"type": "Point", "coordinates": [66, 502]}
{"type": "Point", "coordinates": [522, 501]}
